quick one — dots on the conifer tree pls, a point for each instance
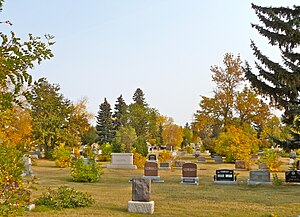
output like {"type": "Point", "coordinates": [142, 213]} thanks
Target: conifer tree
{"type": "Point", "coordinates": [119, 118]}
{"type": "Point", "coordinates": [138, 97]}
{"type": "Point", "coordinates": [104, 127]}
{"type": "Point", "coordinates": [279, 81]}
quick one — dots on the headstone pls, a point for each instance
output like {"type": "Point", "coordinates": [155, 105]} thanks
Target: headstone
{"type": "Point", "coordinates": [140, 203]}
{"type": "Point", "coordinates": [240, 165]}
{"type": "Point", "coordinates": [152, 157]}
{"type": "Point", "coordinates": [28, 170]}
{"type": "Point", "coordinates": [259, 177]}
{"type": "Point", "coordinates": [292, 176]}
{"type": "Point", "coordinates": [151, 171]}
{"type": "Point", "coordinates": [179, 163]}
{"type": "Point", "coordinates": [225, 176]}
{"type": "Point", "coordinates": [189, 174]}
{"type": "Point", "coordinates": [218, 159]}
{"type": "Point", "coordinates": [201, 159]}
{"type": "Point", "coordinates": [121, 161]}
{"type": "Point", "coordinates": [164, 165]}
{"type": "Point", "coordinates": [263, 166]}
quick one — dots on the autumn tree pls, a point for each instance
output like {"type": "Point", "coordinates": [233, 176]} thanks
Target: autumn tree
{"type": "Point", "coordinates": [104, 127]}
{"type": "Point", "coordinates": [279, 81]}
{"type": "Point", "coordinates": [172, 136]}
{"type": "Point", "coordinates": [124, 139]}
{"type": "Point", "coordinates": [233, 104]}
{"type": "Point", "coordinates": [187, 135]}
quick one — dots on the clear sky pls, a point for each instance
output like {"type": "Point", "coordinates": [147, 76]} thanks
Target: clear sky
{"type": "Point", "coordinates": [105, 48]}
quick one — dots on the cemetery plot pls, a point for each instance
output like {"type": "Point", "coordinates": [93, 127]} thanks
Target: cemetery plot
{"type": "Point", "coordinates": [225, 176]}
{"type": "Point", "coordinates": [189, 174]}
{"type": "Point", "coordinates": [164, 165]}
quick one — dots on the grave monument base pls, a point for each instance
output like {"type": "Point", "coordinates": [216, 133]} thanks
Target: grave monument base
{"type": "Point", "coordinates": [249, 182]}
{"type": "Point", "coordinates": [153, 178]}
{"type": "Point", "coordinates": [120, 166]}
{"type": "Point", "coordinates": [190, 180]}
{"type": "Point", "coordinates": [226, 182]}
{"type": "Point", "coordinates": [141, 207]}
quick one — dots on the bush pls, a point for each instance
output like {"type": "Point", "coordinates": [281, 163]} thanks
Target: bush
{"type": "Point", "coordinates": [64, 197]}
{"type": "Point", "coordinates": [90, 172]}
{"type": "Point", "coordinates": [188, 149]}
{"type": "Point", "coordinates": [62, 156]}
{"type": "Point", "coordinates": [271, 159]}
{"type": "Point", "coordinates": [138, 159]}
{"type": "Point", "coordinates": [106, 149]}
{"type": "Point", "coordinates": [165, 156]}
{"type": "Point", "coordinates": [14, 194]}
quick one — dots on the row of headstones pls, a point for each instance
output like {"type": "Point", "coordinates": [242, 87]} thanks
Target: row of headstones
{"type": "Point", "coordinates": [222, 176]}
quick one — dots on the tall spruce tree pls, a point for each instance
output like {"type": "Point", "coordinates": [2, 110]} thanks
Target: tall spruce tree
{"type": "Point", "coordinates": [119, 116]}
{"type": "Point", "coordinates": [139, 97]}
{"type": "Point", "coordinates": [104, 127]}
{"type": "Point", "coordinates": [279, 81]}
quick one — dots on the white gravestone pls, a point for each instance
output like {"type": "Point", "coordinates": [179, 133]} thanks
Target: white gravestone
{"type": "Point", "coordinates": [121, 161]}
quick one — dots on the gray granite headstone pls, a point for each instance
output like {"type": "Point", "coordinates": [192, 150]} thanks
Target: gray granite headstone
{"type": "Point", "coordinates": [259, 177]}
{"type": "Point", "coordinates": [141, 189]}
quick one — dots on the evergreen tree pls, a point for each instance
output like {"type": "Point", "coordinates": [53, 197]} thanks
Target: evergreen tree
{"type": "Point", "coordinates": [160, 140]}
{"type": "Point", "coordinates": [104, 127]}
{"type": "Point", "coordinates": [138, 97]}
{"type": "Point", "coordinates": [119, 116]}
{"type": "Point", "coordinates": [280, 82]}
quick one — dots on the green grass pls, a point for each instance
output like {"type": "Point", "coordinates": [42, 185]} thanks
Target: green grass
{"type": "Point", "coordinates": [172, 198]}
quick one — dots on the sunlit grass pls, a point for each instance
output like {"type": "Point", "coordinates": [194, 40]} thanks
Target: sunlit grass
{"type": "Point", "coordinates": [172, 198]}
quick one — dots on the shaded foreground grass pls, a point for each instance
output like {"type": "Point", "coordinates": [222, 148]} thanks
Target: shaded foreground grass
{"type": "Point", "coordinates": [171, 198]}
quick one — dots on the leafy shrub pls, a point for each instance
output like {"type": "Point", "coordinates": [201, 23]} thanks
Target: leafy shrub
{"type": "Point", "coordinates": [64, 197]}
{"type": "Point", "coordinates": [271, 159]}
{"type": "Point", "coordinates": [188, 149]}
{"type": "Point", "coordinates": [138, 159]}
{"type": "Point", "coordinates": [106, 149]}
{"type": "Point", "coordinates": [86, 172]}
{"type": "Point", "coordinates": [276, 181]}
{"type": "Point", "coordinates": [14, 193]}
{"type": "Point", "coordinates": [165, 156]}
{"type": "Point", "coordinates": [62, 156]}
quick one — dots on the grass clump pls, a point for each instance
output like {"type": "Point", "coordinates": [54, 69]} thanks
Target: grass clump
{"type": "Point", "coordinates": [64, 197]}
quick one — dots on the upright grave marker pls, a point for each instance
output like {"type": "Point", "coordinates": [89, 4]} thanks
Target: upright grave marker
{"type": "Point", "coordinates": [121, 161]}
{"type": "Point", "coordinates": [292, 176]}
{"type": "Point", "coordinates": [152, 157]}
{"type": "Point", "coordinates": [259, 177]}
{"type": "Point", "coordinates": [140, 203]}
{"type": "Point", "coordinates": [189, 174]}
{"type": "Point", "coordinates": [225, 176]}
{"type": "Point", "coordinates": [151, 171]}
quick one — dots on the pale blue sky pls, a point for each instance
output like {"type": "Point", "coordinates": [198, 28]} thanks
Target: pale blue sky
{"type": "Point", "coordinates": [112, 47]}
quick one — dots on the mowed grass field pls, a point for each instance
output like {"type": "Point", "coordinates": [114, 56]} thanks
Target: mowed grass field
{"type": "Point", "coordinates": [172, 198]}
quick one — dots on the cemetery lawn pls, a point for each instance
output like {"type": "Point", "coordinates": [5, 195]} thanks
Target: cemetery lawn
{"type": "Point", "coordinates": [171, 198]}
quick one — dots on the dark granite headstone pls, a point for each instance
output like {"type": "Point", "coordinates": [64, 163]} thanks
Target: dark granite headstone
{"type": "Point", "coordinates": [152, 157]}
{"type": "Point", "coordinates": [151, 169]}
{"type": "Point", "coordinates": [189, 170]}
{"type": "Point", "coordinates": [141, 189]}
{"type": "Point", "coordinates": [292, 176]}
{"type": "Point", "coordinates": [224, 175]}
